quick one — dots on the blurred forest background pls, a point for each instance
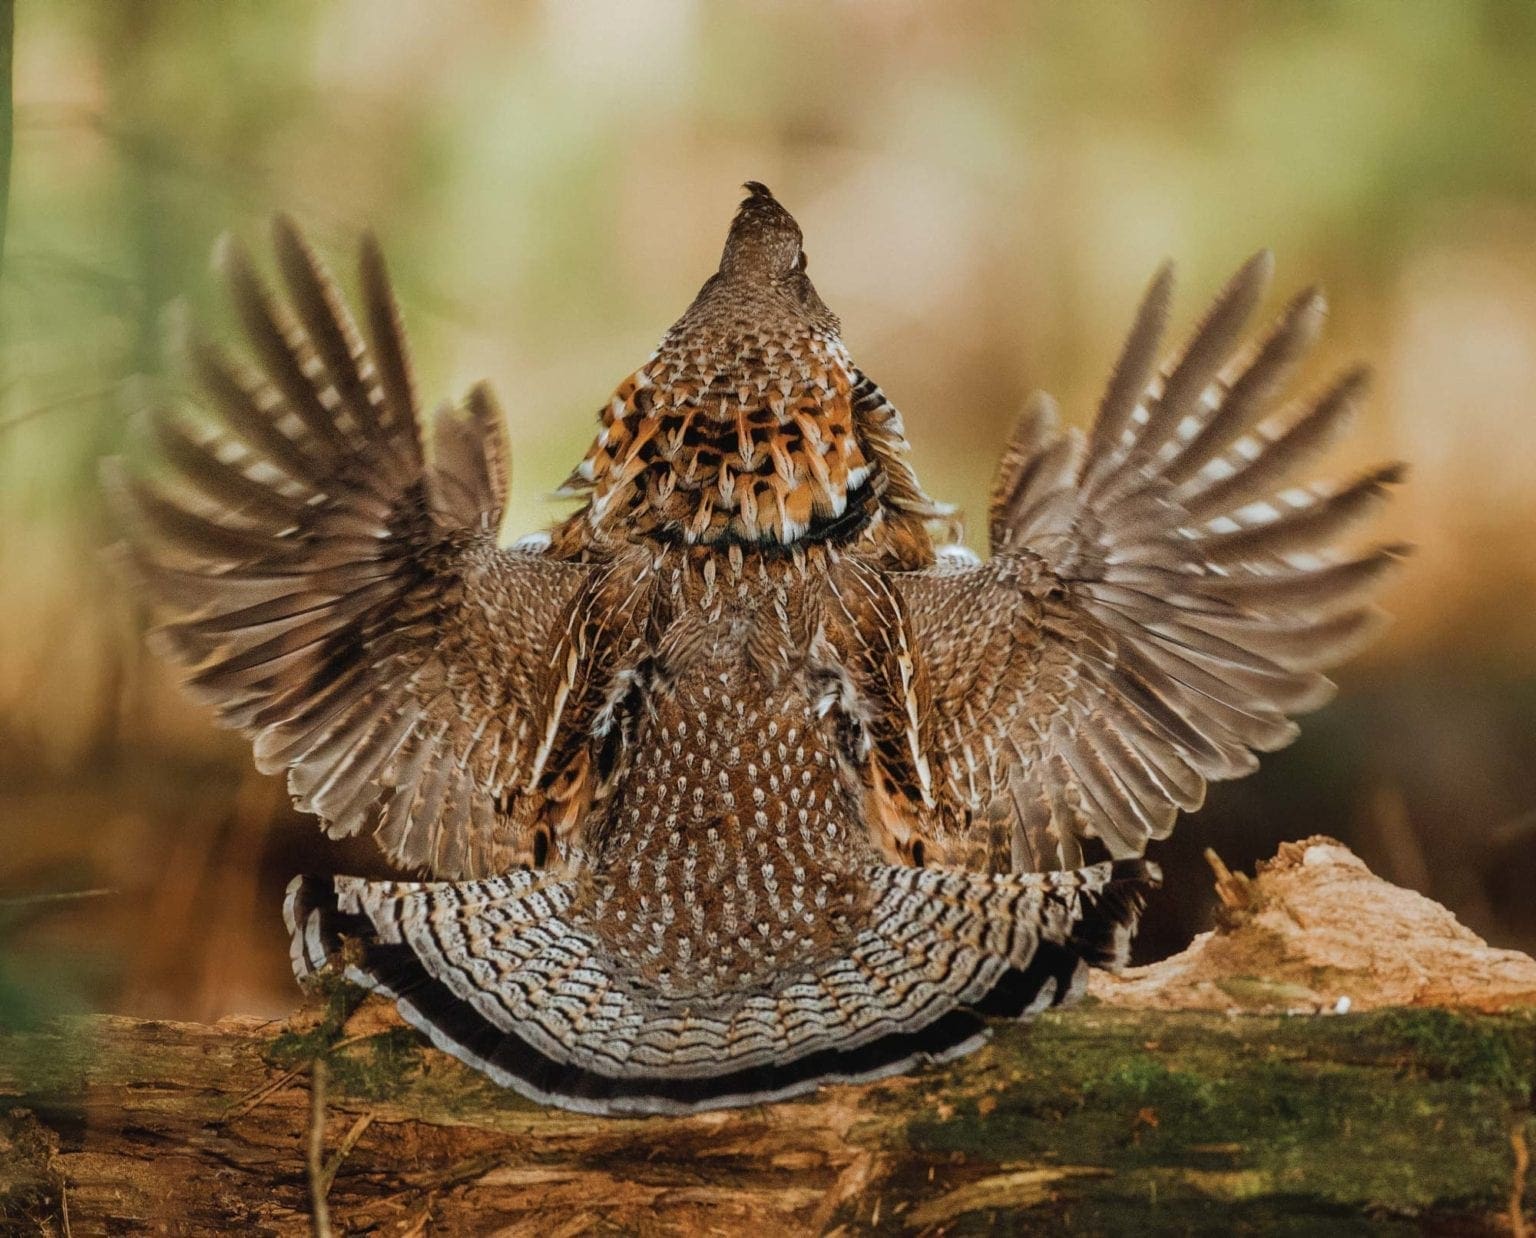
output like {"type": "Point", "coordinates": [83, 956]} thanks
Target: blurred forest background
{"type": "Point", "coordinates": [985, 189]}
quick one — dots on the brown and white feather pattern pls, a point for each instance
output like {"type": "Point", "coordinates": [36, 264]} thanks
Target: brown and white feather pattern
{"type": "Point", "coordinates": [737, 780]}
{"type": "Point", "coordinates": [337, 592]}
{"type": "Point", "coordinates": [1158, 604]}
{"type": "Point", "coordinates": [750, 424]}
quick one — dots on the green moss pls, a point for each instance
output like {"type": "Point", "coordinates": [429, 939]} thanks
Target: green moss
{"type": "Point", "coordinates": [291, 1048]}
{"type": "Point", "coordinates": [1144, 1081]}
{"type": "Point", "coordinates": [1444, 1044]}
{"type": "Point", "coordinates": [379, 1068]}
{"type": "Point", "coordinates": [1332, 1112]}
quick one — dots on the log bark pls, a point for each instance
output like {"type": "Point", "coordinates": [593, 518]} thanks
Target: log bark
{"type": "Point", "coordinates": [1100, 1119]}
{"type": "Point", "coordinates": [1106, 1118]}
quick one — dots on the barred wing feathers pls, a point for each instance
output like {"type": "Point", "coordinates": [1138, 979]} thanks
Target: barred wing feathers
{"type": "Point", "coordinates": [336, 588]}
{"type": "Point", "coordinates": [1158, 603]}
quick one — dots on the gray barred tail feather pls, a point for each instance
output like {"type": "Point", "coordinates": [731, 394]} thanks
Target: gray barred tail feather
{"type": "Point", "coordinates": [510, 976]}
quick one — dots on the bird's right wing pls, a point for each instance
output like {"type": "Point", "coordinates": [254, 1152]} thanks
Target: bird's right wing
{"type": "Point", "coordinates": [1158, 602]}
{"type": "Point", "coordinates": [337, 589]}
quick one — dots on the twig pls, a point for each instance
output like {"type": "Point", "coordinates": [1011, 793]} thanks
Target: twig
{"type": "Point", "coordinates": [1234, 890]}
{"type": "Point", "coordinates": [320, 1211]}
{"type": "Point", "coordinates": [1517, 1225]}
{"type": "Point", "coordinates": [255, 1096]}
{"type": "Point", "coordinates": [52, 406]}
{"type": "Point", "coordinates": [850, 1182]}
{"type": "Point", "coordinates": [60, 896]}
{"type": "Point", "coordinates": [59, 267]}
{"type": "Point", "coordinates": [348, 1142]}
{"type": "Point", "coordinates": [7, 47]}
{"type": "Point", "coordinates": [419, 1225]}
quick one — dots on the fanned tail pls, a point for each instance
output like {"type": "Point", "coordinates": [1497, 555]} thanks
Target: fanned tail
{"type": "Point", "coordinates": [509, 975]}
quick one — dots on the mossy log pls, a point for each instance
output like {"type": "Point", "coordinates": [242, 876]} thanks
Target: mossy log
{"type": "Point", "coordinates": [1095, 1119]}
{"type": "Point", "coordinates": [1154, 1107]}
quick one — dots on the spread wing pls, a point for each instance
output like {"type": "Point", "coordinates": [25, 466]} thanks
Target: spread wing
{"type": "Point", "coordinates": [1158, 603]}
{"type": "Point", "coordinates": [337, 590]}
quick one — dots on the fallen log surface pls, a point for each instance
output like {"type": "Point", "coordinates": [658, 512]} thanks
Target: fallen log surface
{"type": "Point", "coordinates": [1096, 1117]}
{"type": "Point", "coordinates": [1107, 1118]}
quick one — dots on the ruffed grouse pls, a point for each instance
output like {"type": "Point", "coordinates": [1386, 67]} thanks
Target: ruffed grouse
{"type": "Point", "coordinates": [742, 778]}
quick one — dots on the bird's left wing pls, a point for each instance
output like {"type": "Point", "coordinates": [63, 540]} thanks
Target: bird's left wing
{"type": "Point", "coordinates": [335, 585]}
{"type": "Point", "coordinates": [1157, 605]}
